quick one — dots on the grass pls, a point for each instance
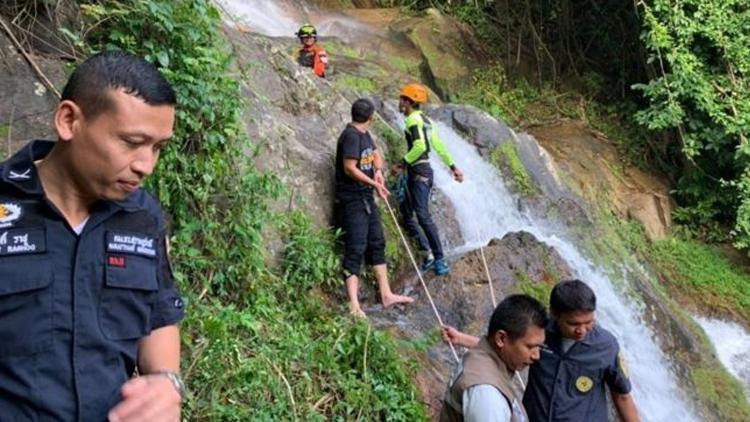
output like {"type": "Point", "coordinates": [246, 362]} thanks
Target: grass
{"type": "Point", "coordinates": [538, 290]}
{"type": "Point", "coordinates": [339, 49]}
{"type": "Point", "coordinates": [703, 274]}
{"type": "Point", "coordinates": [358, 83]}
{"type": "Point", "coordinates": [505, 157]}
{"type": "Point", "coordinates": [404, 65]}
{"type": "Point", "coordinates": [724, 392]}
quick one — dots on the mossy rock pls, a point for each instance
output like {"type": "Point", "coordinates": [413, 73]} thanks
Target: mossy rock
{"type": "Point", "coordinates": [446, 46]}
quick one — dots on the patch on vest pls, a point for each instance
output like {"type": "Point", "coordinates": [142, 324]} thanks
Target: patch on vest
{"type": "Point", "coordinates": [584, 384]}
{"type": "Point", "coordinates": [9, 212]}
{"type": "Point", "coordinates": [137, 244]}
{"type": "Point", "coordinates": [22, 241]}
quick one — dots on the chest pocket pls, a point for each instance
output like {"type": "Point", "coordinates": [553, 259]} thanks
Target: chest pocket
{"type": "Point", "coordinates": [128, 296]}
{"type": "Point", "coordinates": [25, 306]}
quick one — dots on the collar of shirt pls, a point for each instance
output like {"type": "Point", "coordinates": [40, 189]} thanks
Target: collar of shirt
{"type": "Point", "coordinates": [20, 172]}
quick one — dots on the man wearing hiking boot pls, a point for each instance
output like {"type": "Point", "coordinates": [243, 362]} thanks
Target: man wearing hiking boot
{"type": "Point", "coordinates": [421, 138]}
{"type": "Point", "coordinates": [359, 170]}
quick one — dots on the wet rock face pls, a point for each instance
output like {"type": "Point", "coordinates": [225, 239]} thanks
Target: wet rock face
{"type": "Point", "coordinates": [27, 106]}
{"type": "Point", "coordinates": [596, 173]}
{"type": "Point", "coordinates": [486, 134]}
{"type": "Point", "coordinates": [295, 117]}
{"type": "Point", "coordinates": [448, 50]}
{"type": "Point", "coordinates": [463, 299]}
{"type": "Point", "coordinates": [478, 127]}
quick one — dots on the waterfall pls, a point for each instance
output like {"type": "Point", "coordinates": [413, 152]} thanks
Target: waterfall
{"type": "Point", "coordinates": [732, 344]}
{"type": "Point", "coordinates": [282, 18]}
{"type": "Point", "coordinates": [268, 17]}
{"type": "Point", "coordinates": [486, 209]}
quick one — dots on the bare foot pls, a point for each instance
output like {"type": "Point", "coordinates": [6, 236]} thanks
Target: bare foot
{"type": "Point", "coordinates": [358, 313]}
{"type": "Point", "coordinates": [394, 299]}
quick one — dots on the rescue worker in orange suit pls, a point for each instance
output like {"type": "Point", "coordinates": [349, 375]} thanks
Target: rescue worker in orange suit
{"type": "Point", "coordinates": [311, 54]}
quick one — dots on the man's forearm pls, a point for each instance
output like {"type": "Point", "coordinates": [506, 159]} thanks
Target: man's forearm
{"type": "Point", "coordinates": [625, 406]}
{"type": "Point", "coordinates": [160, 351]}
{"type": "Point", "coordinates": [359, 176]}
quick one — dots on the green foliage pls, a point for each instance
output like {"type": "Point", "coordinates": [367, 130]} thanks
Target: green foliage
{"type": "Point", "coordinates": [520, 104]}
{"type": "Point", "coordinates": [257, 345]}
{"type": "Point", "coordinates": [309, 257]}
{"type": "Point", "coordinates": [506, 158]}
{"type": "Point", "coordinates": [702, 92]}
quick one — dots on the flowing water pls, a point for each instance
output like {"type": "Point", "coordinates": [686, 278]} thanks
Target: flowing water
{"type": "Point", "coordinates": [275, 18]}
{"type": "Point", "coordinates": [732, 344]}
{"type": "Point", "coordinates": [282, 18]}
{"type": "Point", "coordinates": [486, 209]}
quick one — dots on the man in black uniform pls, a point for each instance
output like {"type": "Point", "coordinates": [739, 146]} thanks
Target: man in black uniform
{"type": "Point", "coordinates": [359, 169]}
{"type": "Point", "coordinates": [86, 292]}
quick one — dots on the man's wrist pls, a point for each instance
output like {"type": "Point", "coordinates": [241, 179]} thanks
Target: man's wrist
{"type": "Point", "coordinates": [453, 167]}
{"type": "Point", "coordinates": [176, 381]}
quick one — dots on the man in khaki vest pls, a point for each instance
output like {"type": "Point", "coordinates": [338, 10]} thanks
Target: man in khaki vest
{"type": "Point", "coordinates": [488, 387]}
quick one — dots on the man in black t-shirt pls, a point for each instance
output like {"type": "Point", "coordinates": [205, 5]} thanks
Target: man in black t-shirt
{"type": "Point", "coordinates": [359, 170]}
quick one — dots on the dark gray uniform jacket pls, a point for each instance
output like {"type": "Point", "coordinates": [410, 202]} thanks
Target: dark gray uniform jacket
{"type": "Point", "coordinates": [73, 307]}
{"type": "Point", "coordinates": [569, 387]}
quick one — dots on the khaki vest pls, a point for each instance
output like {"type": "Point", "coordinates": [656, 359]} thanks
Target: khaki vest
{"type": "Point", "coordinates": [481, 365]}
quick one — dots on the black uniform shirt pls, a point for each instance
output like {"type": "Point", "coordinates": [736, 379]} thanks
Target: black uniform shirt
{"type": "Point", "coordinates": [73, 307]}
{"type": "Point", "coordinates": [569, 386]}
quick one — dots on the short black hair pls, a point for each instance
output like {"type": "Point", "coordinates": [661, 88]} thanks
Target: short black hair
{"type": "Point", "coordinates": [90, 83]}
{"type": "Point", "coordinates": [571, 296]}
{"type": "Point", "coordinates": [515, 314]}
{"type": "Point", "coordinates": [362, 110]}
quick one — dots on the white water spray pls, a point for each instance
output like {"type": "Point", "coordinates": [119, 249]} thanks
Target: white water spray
{"type": "Point", "coordinates": [268, 17]}
{"type": "Point", "coordinates": [484, 205]}
{"type": "Point", "coordinates": [732, 344]}
{"type": "Point", "coordinates": [282, 18]}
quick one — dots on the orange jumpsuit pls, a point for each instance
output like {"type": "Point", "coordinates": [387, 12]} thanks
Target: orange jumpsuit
{"type": "Point", "coordinates": [314, 57]}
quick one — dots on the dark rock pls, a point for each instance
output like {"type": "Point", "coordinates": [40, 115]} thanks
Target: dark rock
{"type": "Point", "coordinates": [27, 106]}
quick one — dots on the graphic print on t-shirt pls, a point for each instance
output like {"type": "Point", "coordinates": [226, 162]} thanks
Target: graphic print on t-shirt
{"type": "Point", "coordinates": [366, 159]}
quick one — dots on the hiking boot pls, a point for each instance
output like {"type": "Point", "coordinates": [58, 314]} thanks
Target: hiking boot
{"type": "Point", "coordinates": [441, 267]}
{"type": "Point", "coordinates": [428, 263]}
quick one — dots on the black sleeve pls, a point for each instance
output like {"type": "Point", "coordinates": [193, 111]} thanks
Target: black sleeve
{"type": "Point", "coordinates": [170, 307]}
{"type": "Point", "coordinates": [350, 148]}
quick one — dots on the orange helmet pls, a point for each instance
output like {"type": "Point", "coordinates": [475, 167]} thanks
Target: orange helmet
{"type": "Point", "coordinates": [415, 92]}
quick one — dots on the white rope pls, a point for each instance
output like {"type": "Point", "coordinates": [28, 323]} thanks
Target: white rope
{"type": "Point", "coordinates": [419, 273]}
{"type": "Point", "coordinates": [487, 272]}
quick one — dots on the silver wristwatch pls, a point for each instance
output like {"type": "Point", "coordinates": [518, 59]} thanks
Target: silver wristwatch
{"type": "Point", "coordinates": [176, 381]}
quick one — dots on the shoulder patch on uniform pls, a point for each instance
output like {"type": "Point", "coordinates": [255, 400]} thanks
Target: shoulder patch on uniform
{"type": "Point", "coordinates": [623, 364]}
{"type": "Point", "coordinates": [9, 212]}
{"type": "Point", "coordinates": [584, 384]}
